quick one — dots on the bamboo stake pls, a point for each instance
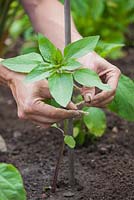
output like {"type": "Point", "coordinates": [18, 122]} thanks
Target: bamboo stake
{"type": "Point", "coordinates": [67, 19]}
{"type": "Point", "coordinates": [69, 131]}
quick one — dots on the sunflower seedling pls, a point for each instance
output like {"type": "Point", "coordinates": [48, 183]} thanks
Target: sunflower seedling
{"type": "Point", "coordinates": [62, 70]}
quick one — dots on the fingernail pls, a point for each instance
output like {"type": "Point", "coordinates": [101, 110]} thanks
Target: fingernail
{"type": "Point", "coordinates": [88, 97]}
{"type": "Point", "coordinates": [72, 106]}
{"type": "Point", "coordinates": [83, 112]}
{"type": "Point", "coordinates": [77, 113]}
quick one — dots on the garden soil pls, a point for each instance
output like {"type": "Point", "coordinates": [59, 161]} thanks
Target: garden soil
{"type": "Point", "coordinates": [104, 169]}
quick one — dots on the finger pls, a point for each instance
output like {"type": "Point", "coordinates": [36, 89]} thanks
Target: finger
{"type": "Point", "coordinates": [42, 125]}
{"type": "Point", "coordinates": [72, 106]}
{"type": "Point", "coordinates": [55, 113]}
{"type": "Point", "coordinates": [112, 81]}
{"type": "Point", "coordinates": [43, 90]}
{"type": "Point", "coordinates": [103, 103]}
{"type": "Point", "coordinates": [103, 96]}
{"type": "Point", "coordinates": [88, 93]}
{"type": "Point", "coordinates": [113, 77]}
{"type": "Point", "coordinates": [112, 74]}
{"type": "Point", "coordinates": [42, 119]}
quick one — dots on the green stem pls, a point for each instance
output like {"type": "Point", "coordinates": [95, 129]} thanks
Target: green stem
{"type": "Point", "coordinates": [71, 156]}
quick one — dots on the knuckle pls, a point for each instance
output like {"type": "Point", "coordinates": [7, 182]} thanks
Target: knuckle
{"type": "Point", "coordinates": [114, 67]}
{"type": "Point", "coordinates": [21, 115]}
{"type": "Point", "coordinates": [28, 107]}
{"type": "Point", "coordinates": [53, 113]}
{"type": "Point", "coordinates": [118, 71]}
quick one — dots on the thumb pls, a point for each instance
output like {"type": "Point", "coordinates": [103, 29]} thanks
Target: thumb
{"type": "Point", "coordinates": [88, 93]}
{"type": "Point", "coordinates": [72, 106]}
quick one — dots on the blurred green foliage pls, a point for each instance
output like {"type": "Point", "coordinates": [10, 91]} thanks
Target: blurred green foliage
{"type": "Point", "coordinates": [8, 9]}
{"type": "Point", "coordinates": [108, 18]}
{"type": "Point", "coordinates": [15, 28]}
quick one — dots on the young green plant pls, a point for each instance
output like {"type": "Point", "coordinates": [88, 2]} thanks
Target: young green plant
{"type": "Point", "coordinates": [62, 71]}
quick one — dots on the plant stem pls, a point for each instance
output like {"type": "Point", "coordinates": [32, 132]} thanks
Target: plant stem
{"type": "Point", "coordinates": [67, 17]}
{"type": "Point", "coordinates": [77, 88]}
{"type": "Point", "coordinates": [71, 156]}
{"type": "Point", "coordinates": [56, 172]}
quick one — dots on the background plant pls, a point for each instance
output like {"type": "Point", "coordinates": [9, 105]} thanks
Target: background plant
{"type": "Point", "coordinates": [108, 18]}
{"type": "Point", "coordinates": [11, 183]}
{"type": "Point", "coordinates": [14, 27]}
{"type": "Point", "coordinates": [91, 18]}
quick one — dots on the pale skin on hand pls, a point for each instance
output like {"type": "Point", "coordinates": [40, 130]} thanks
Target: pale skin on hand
{"type": "Point", "coordinates": [53, 18]}
{"type": "Point", "coordinates": [108, 73]}
{"type": "Point", "coordinates": [29, 96]}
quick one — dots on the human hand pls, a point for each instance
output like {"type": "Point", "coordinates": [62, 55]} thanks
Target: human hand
{"type": "Point", "coordinates": [107, 72]}
{"type": "Point", "coordinates": [29, 98]}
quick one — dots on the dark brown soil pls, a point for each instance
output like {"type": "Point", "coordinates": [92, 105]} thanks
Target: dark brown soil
{"type": "Point", "coordinates": [104, 170]}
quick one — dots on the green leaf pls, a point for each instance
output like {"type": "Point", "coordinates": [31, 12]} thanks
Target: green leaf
{"type": "Point", "coordinates": [41, 72]}
{"type": "Point", "coordinates": [123, 103]}
{"type": "Point", "coordinates": [69, 140]}
{"type": "Point", "coordinates": [96, 8]}
{"type": "Point", "coordinates": [58, 57]}
{"type": "Point", "coordinates": [76, 131]}
{"type": "Point", "coordinates": [89, 78]}
{"type": "Point", "coordinates": [104, 49]}
{"type": "Point", "coordinates": [24, 63]}
{"type": "Point", "coordinates": [54, 126]}
{"type": "Point", "coordinates": [47, 49]}
{"type": "Point", "coordinates": [81, 47]}
{"type": "Point", "coordinates": [81, 138]}
{"type": "Point", "coordinates": [71, 65]}
{"type": "Point", "coordinates": [61, 87]}
{"type": "Point", "coordinates": [95, 121]}
{"type": "Point", "coordinates": [11, 184]}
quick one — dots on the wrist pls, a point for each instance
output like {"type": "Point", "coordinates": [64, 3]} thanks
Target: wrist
{"type": "Point", "coordinates": [89, 61]}
{"type": "Point", "coordinates": [4, 74]}
{"type": "Point", "coordinates": [7, 76]}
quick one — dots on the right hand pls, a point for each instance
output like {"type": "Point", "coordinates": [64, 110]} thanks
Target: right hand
{"type": "Point", "coordinates": [29, 98]}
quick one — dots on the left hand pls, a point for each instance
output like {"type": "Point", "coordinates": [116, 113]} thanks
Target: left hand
{"type": "Point", "coordinates": [107, 72]}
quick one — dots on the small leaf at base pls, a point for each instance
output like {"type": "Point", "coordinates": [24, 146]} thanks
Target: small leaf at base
{"type": "Point", "coordinates": [95, 121]}
{"type": "Point", "coordinates": [69, 140]}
